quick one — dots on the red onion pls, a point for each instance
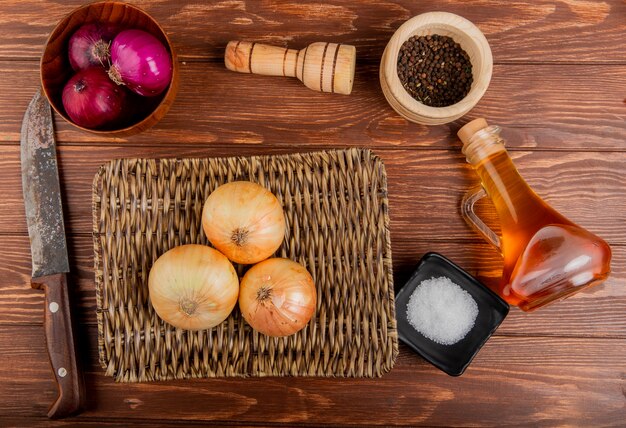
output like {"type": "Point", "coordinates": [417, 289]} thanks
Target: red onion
{"type": "Point", "coordinates": [141, 62]}
{"type": "Point", "coordinates": [92, 100]}
{"type": "Point", "coordinates": [89, 46]}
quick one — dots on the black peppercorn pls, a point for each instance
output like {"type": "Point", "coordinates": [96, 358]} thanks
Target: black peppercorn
{"type": "Point", "coordinates": [443, 74]}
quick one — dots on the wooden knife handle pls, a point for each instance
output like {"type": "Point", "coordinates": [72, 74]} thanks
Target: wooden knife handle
{"type": "Point", "coordinates": [60, 343]}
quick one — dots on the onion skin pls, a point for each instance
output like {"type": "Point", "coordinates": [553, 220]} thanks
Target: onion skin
{"type": "Point", "coordinates": [141, 62]}
{"type": "Point", "coordinates": [277, 297]}
{"type": "Point", "coordinates": [89, 46]}
{"type": "Point", "coordinates": [244, 221]}
{"type": "Point", "coordinates": [92, 100]}
{"type": "Point", "coordinates": [193, 287]}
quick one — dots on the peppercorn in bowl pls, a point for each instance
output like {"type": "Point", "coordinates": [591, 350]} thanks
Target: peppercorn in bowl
{"type": "Point", "coordinates": [435, 68]}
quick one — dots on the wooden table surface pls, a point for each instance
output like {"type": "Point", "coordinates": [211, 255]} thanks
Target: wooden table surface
{"type": "Point", "coordinates": [559, 92]}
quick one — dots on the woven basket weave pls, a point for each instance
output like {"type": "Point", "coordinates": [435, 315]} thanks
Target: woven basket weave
{"type": "Point", "coordinates": [338, 227]}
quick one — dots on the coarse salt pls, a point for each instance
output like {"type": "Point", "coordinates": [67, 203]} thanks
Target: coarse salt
{"type": "Point", "coordinates": [441, 310]}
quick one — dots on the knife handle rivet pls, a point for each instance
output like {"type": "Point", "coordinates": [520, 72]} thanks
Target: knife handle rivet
{"type": "Point", "coordinates": [54, 307]}
{"type": "Point", "coordinates": [62, 372]}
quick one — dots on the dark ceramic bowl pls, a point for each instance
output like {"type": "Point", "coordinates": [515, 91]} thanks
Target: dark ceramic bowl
{"type": "Point", "coordinates": [452, 359]}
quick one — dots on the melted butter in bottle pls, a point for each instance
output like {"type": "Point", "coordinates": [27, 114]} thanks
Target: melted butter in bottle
{"type": "Point", "coordinates": [546, 256]}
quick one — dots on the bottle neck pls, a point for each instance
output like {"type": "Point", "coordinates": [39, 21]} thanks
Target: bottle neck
{"type": "Point", "coordinates": [483, 144]}
{"type": "Point", "coordinates": [490, 160]}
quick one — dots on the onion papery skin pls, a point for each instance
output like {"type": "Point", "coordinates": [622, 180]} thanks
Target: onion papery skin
{"type": "Point", "coordinates": [277, 297]}
{"type": "Point", "coordinates": [89, 46]}
{"type": "Point", "coordinates": [92, 100]}
{"type": "Point", "coordinates": [141, 62]}
{"type": "Point", "coordinates": [244, 221]}
{"type": "Point", "coordinates": [193, 287]}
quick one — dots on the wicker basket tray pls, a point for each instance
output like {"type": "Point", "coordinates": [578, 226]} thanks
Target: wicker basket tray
{"type": "Point", "coordinates": [338, 227]}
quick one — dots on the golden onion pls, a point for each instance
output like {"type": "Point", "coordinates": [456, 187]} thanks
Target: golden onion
{"type": "Point", "coordinates": [244, 221]}
{"type": "Point", "coordinates": [277, 297]}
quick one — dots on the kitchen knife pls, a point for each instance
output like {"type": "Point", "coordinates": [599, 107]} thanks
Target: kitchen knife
{"type": "Point", "coordinates": [44, 216]}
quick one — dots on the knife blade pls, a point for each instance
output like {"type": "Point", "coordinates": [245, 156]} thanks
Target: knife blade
{"type": "Point", "coordinates": [46, 230]}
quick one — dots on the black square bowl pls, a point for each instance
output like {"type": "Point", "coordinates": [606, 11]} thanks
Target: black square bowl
{"type": "Point", "coordinates": [452, 359]}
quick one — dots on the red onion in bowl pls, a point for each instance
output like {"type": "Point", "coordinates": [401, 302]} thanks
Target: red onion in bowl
{"type": "Point", "coordinates": [92, 100]}
{"type": "Point", "coordinates": [141, 62]}
{"type": "Point", "coordinates": [89, 46]}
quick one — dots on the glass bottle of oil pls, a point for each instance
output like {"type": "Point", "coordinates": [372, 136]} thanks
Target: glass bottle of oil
{"type": "Point", "coordinates": [546, 256]}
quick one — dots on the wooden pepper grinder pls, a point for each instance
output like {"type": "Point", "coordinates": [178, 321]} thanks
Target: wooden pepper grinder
{"type": "Point", "coordinates": [325, 67]}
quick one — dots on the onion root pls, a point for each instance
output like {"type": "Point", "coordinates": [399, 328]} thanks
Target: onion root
{"type": "Point", "coordinates": [188, 306]}
{"type": "Point", "coordinates": [240, 236]}
{"type": "Point", "coordinates": [263, 294]}
{"type": "Point", "coordinates": [115, 76]}
{"type": "Point", "coordinates": [102, 51]}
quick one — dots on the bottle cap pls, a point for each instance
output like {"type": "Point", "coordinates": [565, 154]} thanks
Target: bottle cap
{"type": "Point", "coordinates": [467, 132]}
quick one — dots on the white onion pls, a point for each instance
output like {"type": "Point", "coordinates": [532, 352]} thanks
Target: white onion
{"type": "Point", "coordinates": [193, 287]}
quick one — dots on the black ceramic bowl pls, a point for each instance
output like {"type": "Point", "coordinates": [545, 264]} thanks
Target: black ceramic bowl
{"type": "Point", "coordinates": [452, 359]}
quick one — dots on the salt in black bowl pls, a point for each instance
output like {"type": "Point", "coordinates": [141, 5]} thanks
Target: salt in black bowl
{"type": "Point", "coordinates": [452, 359]}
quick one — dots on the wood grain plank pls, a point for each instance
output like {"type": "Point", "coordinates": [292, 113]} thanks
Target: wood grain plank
{"type": "Point", "coordinates": [111, 421]}
{"type": "Point", "coordinates": [558, 91]}
{"type": "Point", "coordinates": [539, 107]}
{"type": "Point", "coordinates": [425, 187]}
{"type": "Point", "coordinates": [546, 381]}
{"type": "Point", "coordinates": [86, 422]}
{"type": "Point", "coordinates": [544, 30]}
{"type": "Point", "coordinates": [598, 312]}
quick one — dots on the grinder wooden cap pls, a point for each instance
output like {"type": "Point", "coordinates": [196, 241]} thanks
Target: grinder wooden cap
{"type": "Point", "coordinates": [468, 131]}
